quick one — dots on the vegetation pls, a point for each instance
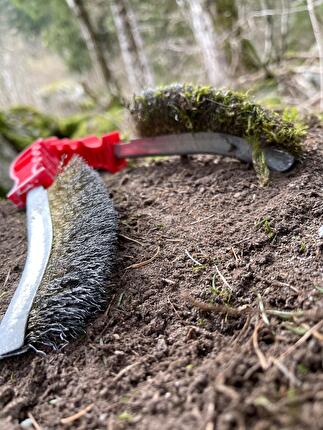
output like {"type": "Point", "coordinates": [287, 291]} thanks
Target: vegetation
{"type": "Point", "coordinates": [266, 226]}
{"type": "Point", "coordinates": [75, 126]}
{"type": "Point", "coordinates": [126, 45]}
{"type": "Point", "coordinates": [22, 125]}
{"type": "Point", "coordinates": [172, 109]}
{"type": "Point", "coordinates": [111, 49]}
{"type": "Point", "coordinates": [181, 108]}
{"type": "Point", "coordinates": [53, 24]}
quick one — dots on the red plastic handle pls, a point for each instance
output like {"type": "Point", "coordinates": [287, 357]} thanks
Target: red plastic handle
{"type": "Point", "coordinates": [39, 163]}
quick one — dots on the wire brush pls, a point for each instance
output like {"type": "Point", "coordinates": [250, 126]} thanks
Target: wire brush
{"type": "Point", "coordinates": [74, 287]}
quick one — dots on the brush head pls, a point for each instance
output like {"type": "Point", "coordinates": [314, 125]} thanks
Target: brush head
{"type": "Point", "coordinates": [185, 108]}
{"type": "Point", "coordinates": [75, 284]}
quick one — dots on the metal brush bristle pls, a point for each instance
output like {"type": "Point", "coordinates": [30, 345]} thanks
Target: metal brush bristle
{"type": "Point", "coordinates": [74, 287]}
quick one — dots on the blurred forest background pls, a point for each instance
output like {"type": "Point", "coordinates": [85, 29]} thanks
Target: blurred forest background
{"type": "Point", "coordinates": [73, 62]}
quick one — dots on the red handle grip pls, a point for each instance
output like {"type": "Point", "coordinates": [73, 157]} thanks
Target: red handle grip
{"type": "Point", "coordinates": [39, 163]}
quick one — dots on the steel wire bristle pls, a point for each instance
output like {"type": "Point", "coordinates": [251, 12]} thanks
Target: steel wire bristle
{"type": "Point", "coordinates": [75, 284]}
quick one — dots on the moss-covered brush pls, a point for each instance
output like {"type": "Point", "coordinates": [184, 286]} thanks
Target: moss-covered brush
{"type": "Point", "coordinates": [185, 108]}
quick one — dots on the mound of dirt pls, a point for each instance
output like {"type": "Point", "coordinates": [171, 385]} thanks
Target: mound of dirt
{"type": "Point", "coordinates": [214, 317]}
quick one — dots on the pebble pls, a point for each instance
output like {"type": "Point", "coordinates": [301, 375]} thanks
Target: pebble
{"type": "Point", "coordinates": [321, 232]}
{"type": "Point", "coordinates": [26, 424]}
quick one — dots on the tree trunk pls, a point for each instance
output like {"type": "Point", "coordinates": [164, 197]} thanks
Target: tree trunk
{"type": "Point", "coordinates": [319, 41]}
{"type": "Point", "coordinates": [131, 44]}
{"type": "Point", "coordinates": [229, 18]}
{"type": "Point", "coordinates": [139, 45]}
{"type": "Point", "coordinates": [204, 35]}
{"type": "Point", "coordinates": [119, 14]}
{"type": "Point", "coordinates": [93, 44]}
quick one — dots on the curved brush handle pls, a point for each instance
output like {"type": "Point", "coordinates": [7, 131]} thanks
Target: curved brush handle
{"type": "Point", "coordinates": [38, 164]}
{"type": "Point", "coordinates": [35, 166]}
{"type": "Point", "coordinates": [202, 143]}
{"type": "Point", "coordinates": [278, 160]}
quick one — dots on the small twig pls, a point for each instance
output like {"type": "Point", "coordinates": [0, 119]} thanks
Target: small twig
{"type": "Point", "coordinates": [125, 370]}
{"type": "Point", "coordinates": [34, 422]}
{"type": "Point", "coordinates": [120, 299]}
{"type": "Point", "coordinates": [285, 315]}
{"type": "Point", "coordinates": [6, 280]}
{"type": "Point", "coordinates": [292, 378]}
{"type": "Point", "coordinates": [283, 284]}
{"type": "Point", "coordinates": [262, 359]}
{"type": "Point", "coordinates": [246, 239]}
{"type": "Point", "coordinates": [319, 41]}
{"type": "Point", "coordinates": [78, 415]}
{"type": "Point", "coordinates": [221, 309]}
{"type": "Point", "coordinates": [168, 281]}
{"type": "Point", "coordinates": [262, 310]}
{"type": "Point", "coordinates": [290, 11]}
{"type": "Point", "coordinates": [193, 259]}
{"type": "Point", "coordinates": [106, 313]}
{"type": "Point", "coordinates": [318, 335]}
{"type": "Point", "coordinates": [203, 219]}
{"type": "Point", "coordinates": [235, 254]}
{"type": "Point", "coordinates": [172, 305]}
{"type": "Point", "coordinates": [131, 239]}
{"type": "Point", "coordinates": [213, 281]}
{"type": "Point", "coordinates": [244, 330]}
{"type": "Point", "coordinates": [228, 391]}
{"type": "Point", "coordinates": [275, 283]}
{"type": "Point", "coordinates": [144, 263]}
{"type": "Point", "coordinates": [223, 278]}
{"type": "Point", "coordinates": [299, 330]}
{"type": "Point", "coordinates": [300, 341]}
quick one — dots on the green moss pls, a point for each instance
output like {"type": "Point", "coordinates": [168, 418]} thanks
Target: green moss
{"type": "Point", "coordinates": [258, 161]}
{"type": "Point", "coordinates": [182, 108]}
{"type": "Point", "coordinates": [93, 123]}
{"type": "Point", "coordinates": [22, 125]}
{"type": "Point", "coordinates": [2, 192]}
{"type": "Point", "coordinates": [69, 125]}
{"type": "Point", "coordinates": [7, 154]}
{"type": "Point", "coordinates": [302, 248]}
{"type": "Point", "coordinates": [125, 416]}
{"type": "Point", "coordinates": [267, 227]}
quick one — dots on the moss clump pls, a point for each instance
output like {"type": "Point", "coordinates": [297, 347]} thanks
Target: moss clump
{"type": "Point", "coordinates": [259, 162]}
{"type": "Point", "coordinates": [22, 125]}
{"type": "Point", "coordinates": [2, 192]}
{"type": "Point", "coordinates": [183, 108]}
{"type": "Point", "coordinates": [92, 123]}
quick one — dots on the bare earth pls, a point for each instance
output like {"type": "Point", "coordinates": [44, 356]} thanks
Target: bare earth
{"type": "Point", "coordinates": [184, 342]}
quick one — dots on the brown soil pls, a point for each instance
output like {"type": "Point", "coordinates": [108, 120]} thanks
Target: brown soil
{"type": "Point", "coordinates": [175, 350]}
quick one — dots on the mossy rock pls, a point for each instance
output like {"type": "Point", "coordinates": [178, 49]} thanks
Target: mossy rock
{"type": "Point", "coordinates": [88, 124]}
{"type": "Point", "coordinates": [22, 125]}
{"type": "Point", "coordinates": [183, 108]}
{"type": "Point", "coordinates": [7, 154]}
{"type": "Point", "coordinates": [68, 126]}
